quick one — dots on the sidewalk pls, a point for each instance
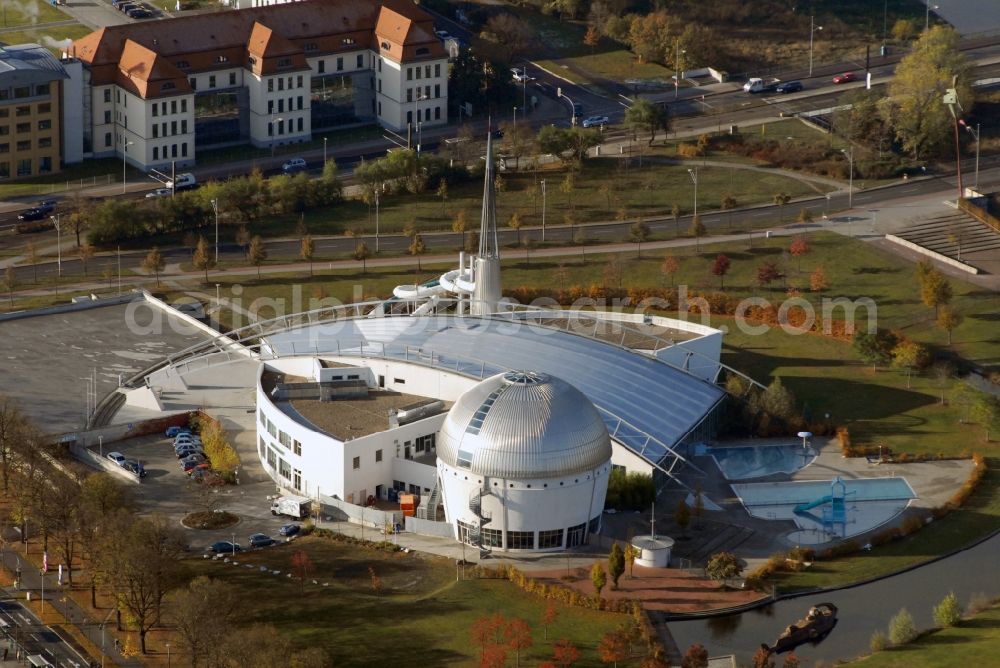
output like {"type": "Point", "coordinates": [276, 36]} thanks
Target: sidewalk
{"type": "Point", "coordinates": [31, 582]}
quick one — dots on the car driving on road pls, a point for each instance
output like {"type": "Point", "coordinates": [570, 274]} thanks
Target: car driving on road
{"type": "Point", "coordinates": [845, 77]}
{"type": "Point", "coordinates": [596, 121]}
{"type": "Point", "coordinates": [788, 87]}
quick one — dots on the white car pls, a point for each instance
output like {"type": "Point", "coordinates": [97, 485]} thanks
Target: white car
{"type": "Point", "coordinates": [596, 121]}
{"type": "Point", "coordinates": [521, 75]}
{"type": "Point", "coordinates": [117, 458]}
{"type": "Point", "coordinates": [442, 34]}
{"type": "Point", "coordinates": [159, 192]}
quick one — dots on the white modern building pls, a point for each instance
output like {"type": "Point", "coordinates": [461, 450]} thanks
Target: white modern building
{"type": "Point", "coordinates": [156, 92]}
{"type": "Point", "coordinates": [507, 421]}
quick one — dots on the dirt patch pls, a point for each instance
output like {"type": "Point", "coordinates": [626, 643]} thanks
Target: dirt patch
{"type": "Point", "coordinates": [209, 520]}
{"type": "Point", "coordinates": [665, 589]}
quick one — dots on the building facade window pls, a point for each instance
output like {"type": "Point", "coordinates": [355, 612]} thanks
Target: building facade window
{"type": "Point", "coordinates": [549, 539]}
{"type": "Point", "coordinates": [107, 95]}
{"type": "Point", "coordinates": [232, 78]}
{"type": "Point", "coordinates": [437, 70]}
{"type": "Point", "coordinates": [361, 60]}
{"type": "Point", "coordinates": [340, 64]}
{"type": "Point", "coordinates": [45, 142]}
{"type": "Point", "coordinates": [520, 540]}
{"type": "Point", "coordinates": [322, 66]}
{"type": "Point", "coordinates": [156, 150]}
{"type": "Point", "coordinates": [297, 448]}
{"type": "Point", "coordinates": [297, 480]}
{"type": "Point", "coordinates": [284, 439]}
{"type": "Point", "coordinates": [107, 139]}
{"type": "Point", "coordinates": [211, 81]}
{"type": "Point", "coordinates": [272, 458]}
{"type": "Point", "coordinates": [493, 537]}
{"type": "Point", "coordinates": [284, 470]}
{"type": "Point", "coordinates": [378, 455]}
{"type": "Point", "coordinates": [356, 464]}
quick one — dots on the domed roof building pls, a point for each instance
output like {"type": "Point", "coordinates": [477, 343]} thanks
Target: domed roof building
{"type": "Point", "coordinates": [524, 460]}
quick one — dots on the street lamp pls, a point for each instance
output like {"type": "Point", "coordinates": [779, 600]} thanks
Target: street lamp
{"type": "Point", "coordinates": [812, 29]}
{"type": "Point", "coordinates": [125, 164]}
{"type": "Point", "coordinates": [234, 545]}
{"type": "Point", "coordinates": [694, 178]}
{"type": "Point", "coordinates": [974, 133]}
{"type": "Point", "coordinates": [218, 302]}
{"type": "Point", "coordinates": [927, 14]}
{"type": "Point", "coordinates": [850, 178]}
{"type": "Point", "coordinates": [677, 66]}
{"type": "Point", "coordinates": [215, 207]}
{"type": "Point", "coordinates": [377, 189]}
{"type": "Point", "coordinates": [324, 152]}
{"type": "Point", "coordinates": [543, 210]}
{"type": "Point", "coordinates": [168, 655]}
{"type": "Point", "coordinates": [55, 221]}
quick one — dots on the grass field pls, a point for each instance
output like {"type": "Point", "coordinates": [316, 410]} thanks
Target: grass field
{"type": "Point", "coordinates": [619, 65]}
{"type": "Point", "coordinates": [422, 618]}
{"type": "Point", "coordinates": [28, 13]}
{"type": "Point", "coordinates": [52, 37]}
{"type": "Point", "coordinates": [971, 643]}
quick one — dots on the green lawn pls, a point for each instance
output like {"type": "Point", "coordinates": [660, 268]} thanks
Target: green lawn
{"type": "Point", "coordinates": [89, 173]}
{"type": "Point", "coordinates": [969, 644]}
{"type": "Point", "coordinates": [422, 618]}
{"type": "Point", "coordinates": [248, 152]}
{"type": "Point", "coordinates": [58, 33]}
{"type": "Point", "coordinates": [556, 67]}
{"type": "Point", "coordinates": [620, 65]}
{"type": "Point", "coordinates": [27, 13]}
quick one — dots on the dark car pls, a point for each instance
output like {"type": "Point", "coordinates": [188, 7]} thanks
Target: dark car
{"type": "Point", "coordinates": [845, 77]}
{"type": "Point", "coordinates": [261, 540]}
{"type": "Point", "coordinates": [173, 432]}
{"type": "Point", "coordinates": [32, 214]}
{"type": "Point", "coordinates": [134, 467]}
{"type": "Point", "coordinates": [289, 530]}
{"type": "Point", "coordinates": [788, 87]}
{"type": "Point", "coordinates": [46, 206]}
{"type": "Point", "coordinates": [139, 13]}
{"type": "Point", "coordinates": [224, 547]}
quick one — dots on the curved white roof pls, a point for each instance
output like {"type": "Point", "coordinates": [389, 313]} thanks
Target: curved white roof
{"type": "Point", "coordinates": [654, 398]}
{"type": "Point", "coordinates": [524, 425]}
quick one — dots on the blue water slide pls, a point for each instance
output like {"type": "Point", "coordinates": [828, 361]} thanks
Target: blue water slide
{"type": "Point", "coordinates": [803, 508]}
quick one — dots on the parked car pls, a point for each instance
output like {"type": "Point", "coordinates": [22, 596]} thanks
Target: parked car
{"type": "Point", "coordinates": [596, 121]}
{"type": "Point", "coordinates": [174, 432]}
{"type": "Point", "coordinates": [117, 458]}
{"type": "Point", "coordinates": [185, 181]}
{"type": "Point", "coordinates": [188, 451]}
{"type": "Point", "coordinates": [159, 192]}
{"type": "Point", "coordinates": [139, 13]}
{"type": "Point", "coordinates": [191, 461]}
{"type": "Point", "coordinates": [788, 87]}
{"type": "Point", "coordinates": [442, 34]}
{"type": "Point", "coordinates": [32, 214]}
{"type": "Point", "coordinates": [125, 6]}
{"type": "Point", "coordinates": [289, 529]}
{"type": "Point", "coordinates": [261, 540]}
{"type": "Point", "coordinates": [191, 468]}
{"type": "Point", "coordinates": [294, 166]}
{"type": "Point", "coordinates": [845, 77]}
{"type": "Point", "coordinates": [224, 547]}
{"type": "Point", "coordinates": [135, 467]}
{"type": "Point", "coordinates": [186, 439]}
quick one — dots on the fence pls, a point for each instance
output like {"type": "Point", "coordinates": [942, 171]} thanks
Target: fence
{"type": "Point", "coordinates": [429, 527]}
{"type": "Point", "coordinates": [369, 517]}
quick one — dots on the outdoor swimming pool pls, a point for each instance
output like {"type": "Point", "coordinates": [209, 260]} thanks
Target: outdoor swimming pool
{"type": "Point", "coordinates": [784, 493]}
{"type": "Point", "coordinates": [757, 461]}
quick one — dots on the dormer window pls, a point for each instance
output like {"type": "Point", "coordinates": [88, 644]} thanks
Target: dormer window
{"type": "Point", "coordinates": [222, 59]}
{"type": "Point", "coordinates": [168, 85]}
{"type": "Point", "coordinates": [385, 46]}
{"type": "Point", "coordinates": [253, 61]}
{"type": "Point", "coordinates": [284, 62]}
{"type": "Point", "coordinates": [423, 51]}
{"type": "Point", "coordinates": [183, 64]}
{"type": "Point", "coordinates": [348, 41]}
{"type": "Point", "coordinates": [311, 46]}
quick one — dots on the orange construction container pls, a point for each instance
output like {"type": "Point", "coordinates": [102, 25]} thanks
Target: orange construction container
{"type": "Point", "coordinates": [407, 504]}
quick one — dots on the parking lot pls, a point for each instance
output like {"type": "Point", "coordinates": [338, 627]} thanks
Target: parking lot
{"type": "Point", "coordinates": [168, 491]}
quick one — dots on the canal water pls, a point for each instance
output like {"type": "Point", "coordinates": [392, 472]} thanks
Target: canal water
{"type": "Point", "coordinates": [862, 609]}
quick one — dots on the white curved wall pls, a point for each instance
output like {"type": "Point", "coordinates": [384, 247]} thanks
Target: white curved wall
{"type": "Point", "coordinates": [533, 506]}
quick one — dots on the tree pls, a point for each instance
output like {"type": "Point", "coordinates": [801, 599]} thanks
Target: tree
{"type": "Point", "coordinates": [568, 144]}
{"type": "Point", "coordinates": [376, 581]}
{"type": "Point", "coordinates": [243, 238]}
{"type": "Point", "coordinates": [612, 274]}
{"type": "Point", "coordinates": [515, 224]}
{"type": "Point", "coordinates": [257, 254]}
{"type": "Point", "coordinates": [598, 578]}
{"type": "Point", "coordinates": [639, 232]}
{"type": "Point", "coordinates": [460, 225]}
{"type": "Point", "coordinates": [616, 564]}
{"type": "Point", "coordinates": [696, 656]}
{"type": "Point", "coordinates": [985, 410]}
{"type": "Point", "coordinates": [592, 37]}
{"type": "Point", "coordinates": [903, 30]}
{"type": "Point", "coordinates": [85, 252]}
{"type": "Point", "coordinates": [154, 263]}
{"type": "Point", "coordinates": [473, 78]}
{"type": "Point", "coordinates": [669, 268]}
{"type": "Point", "coordinates": [875, 348]}
{"type": "Point", "coordinates": [565, 653]}
{"type": "Point", "coordinates": [910, 355]}
{"type": "Point", "coordinates": [77, 221]}
{"type": "Point", "coordinates": [675, 213]}
{"type": "Point", "coordinates": [791, 661]}
{"type": "Point", "coordinates": [60, 516]}
{"type": "Point", "coordinates": [549, 616]}
{"type": "Point", "coordinates": [817, 280]}
{"type": "Point", "coordinates": [781, 199]}
{"type": "Point", "coordinates": [302, 566]}
{"type": "Point", "coordinates": [517, 634]}
{"type": "Point", "coordinates": [720, 268]}
{"type": "Point", "coordinates": [948, 612]}
{"type": "Point", "coordinates": [682, 516]}
{"type": "Point", "coordinates": [644, 115]}
{"type": "Point", "coordinates": [722, 566]}
{"type": "Point", "coordinates": [697, 230]}
{"type": "Point", "coordinates": [935, 291]}
{"type": "Point", "coordinates": [650, 35]}
{"type": "Point", "coordinates": [442, 193]}
{"type": "Point", "coordinates": [762, 658]}
{"type": "Point", "coordinates": [417, 248]}
{"type": "Point", "coordinates": [798, 248]}
{"type": "Point", "coordinates": [203, 260]}
{"type": "Point", "coordinates": [728, 204]}
{"type": "Point", "coordinates": [613, 647]}
{"type": "Point", "coordinates": [31, 250]}
{"type": "Point", "coordinates": [768, 272]}
{"type": "Point", "coordinates": [361, 254]}
{"type": "Point", "coordinates": [307, 249]}
{"type": "Point", "coordinates": [204, 613]}
{"type": "Point", "coordinates": [805, 216]}
{"type": "Point", "coordinates": [902, 628]}
{"type": "Point", "coordinates": [10, 282]}
{"type": "Point", "coordinates": [511, 36]}
{"type": "Point", "coordinates": [877, 642]}
{"type": "Point", "coordinates": [913, 104]}
{"type": "Point", "coordinates": [631, 554]}
{"type": "Point", "coordinates": [13, 425]}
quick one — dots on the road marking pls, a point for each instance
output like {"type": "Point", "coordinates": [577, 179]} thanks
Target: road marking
{"type": "Point", "coordinates": [911, 189]}
{"type": "Point", "coordinates": [762, 213]}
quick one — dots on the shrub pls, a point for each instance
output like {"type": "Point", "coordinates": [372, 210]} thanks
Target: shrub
{"type": "Point", "coordinates": [902, 628]}
{"type": "Point", "coordinates": [947, 612]}
{"type": "Point", "coordinates": [978, 602]}
{"type": "Point", "coordinates": [723, 565]}
{"type": "Point", "coordinates": [877, 642]}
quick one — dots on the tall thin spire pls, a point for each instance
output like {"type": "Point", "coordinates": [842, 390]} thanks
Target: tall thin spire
{"type": "Point", "coordinates": [489, 246]}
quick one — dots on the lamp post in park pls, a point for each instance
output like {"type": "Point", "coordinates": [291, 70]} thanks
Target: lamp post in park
{"type": "Point", "coordinates": [812, 29]}
{"type": "Point", "coordinates": [543, 210]}
{"type": "Point", "coordinates": [215, 207]}
{"type": "Point", "coordinates": [975, 134]}
{"type": "Point", "coordinates": [927, 14]}
{"type": "Point", "coordinates": [694, 179]}
{"type": "Point", "coordinates": [850, 177]}
{"type": "Point", "coordinates": [125, 164]}
{"type": "Point", "coordinates": [55, 221]}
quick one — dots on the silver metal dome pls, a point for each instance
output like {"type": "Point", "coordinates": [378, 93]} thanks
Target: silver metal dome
{"type": "Point", "coordinates": [524, 425]}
